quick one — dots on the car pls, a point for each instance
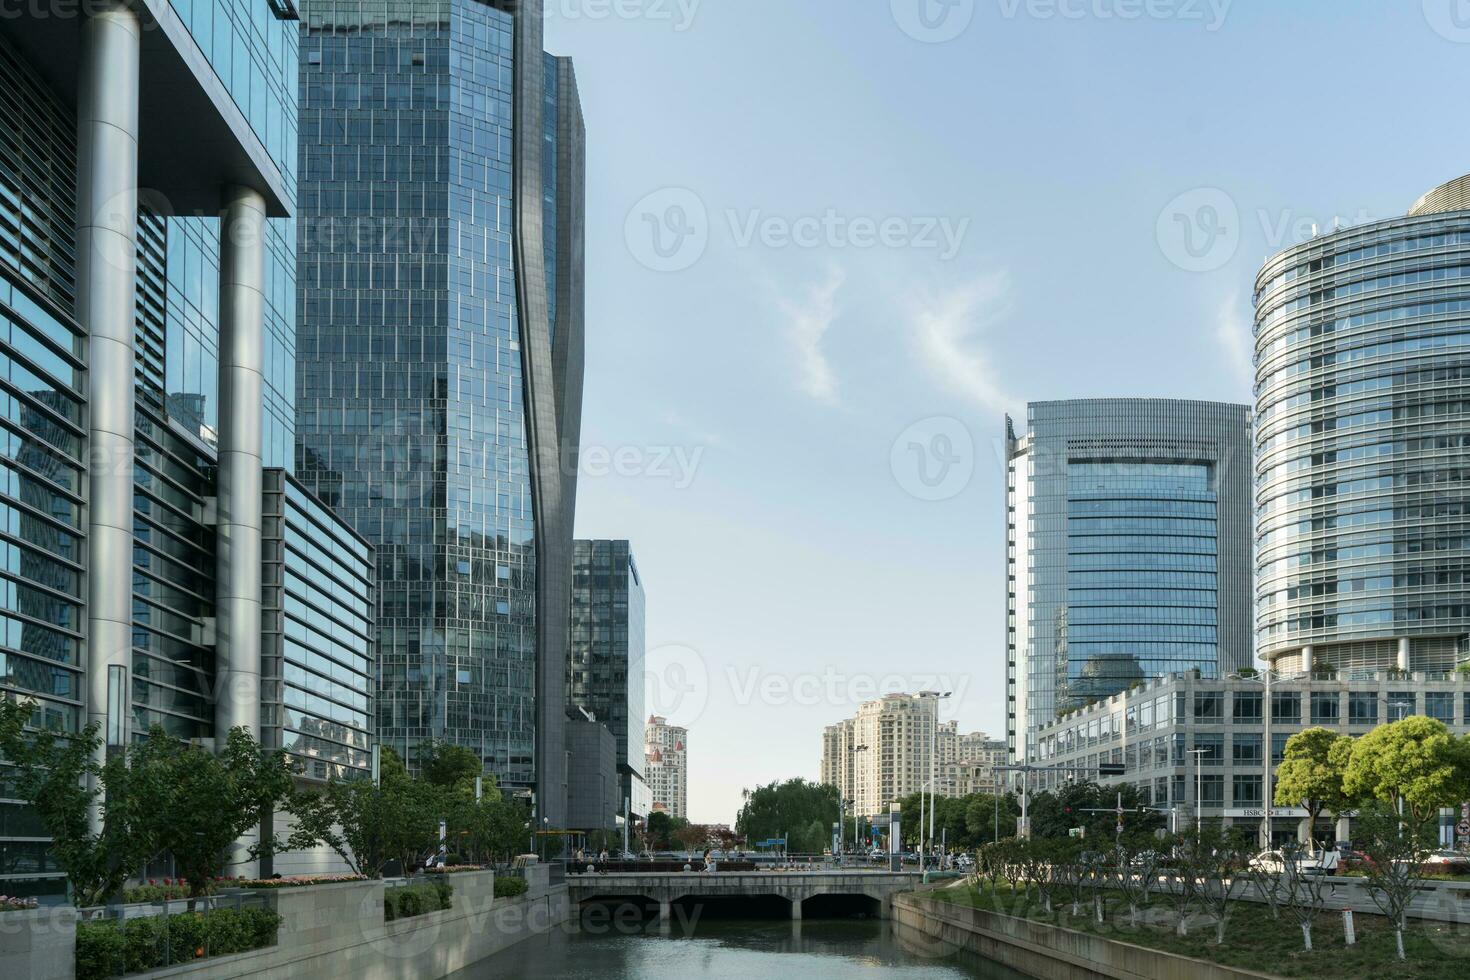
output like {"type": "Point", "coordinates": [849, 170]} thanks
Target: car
{"type": "Point", "coordinates": [1274, 862]}
{"type": "Point", "coordinates": [1447, 862]}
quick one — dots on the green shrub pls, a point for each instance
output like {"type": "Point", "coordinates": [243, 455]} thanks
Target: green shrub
{"type": "Point", "coordinates": [109, 949]}
{"type": "Point", "coordinates": [509, 887]}
{"type": "Point", "coordinates": [101, 951]}
{"type": "Point", "coordinates": [412, 900]}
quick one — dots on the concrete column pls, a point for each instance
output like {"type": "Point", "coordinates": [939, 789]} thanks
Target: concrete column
{"type": "Point", "coordinates": [665, 911]}
{"type": "Point", "coordinates": [1404, 653]}
{"type": "Point", "coordinates": [796, 909]}
{"type": "Point", "coordinates": [107, 236]}
{"type": "Point", "coordinates": [1308, 656]}
{"type": "Point", "coordinates": [1304, 830]}
{"type": "Point", "coordinates": [1344, 828]}
{"type": "Point", "coordinates": [237, 589]}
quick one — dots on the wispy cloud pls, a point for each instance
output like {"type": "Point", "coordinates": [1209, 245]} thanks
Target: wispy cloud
{"type": "Point", "coordinates": [807, 323]}
{"type": "Point", "coordinates": [1237, 343]}
{"type": "Point", "coordinates": [948, 327]}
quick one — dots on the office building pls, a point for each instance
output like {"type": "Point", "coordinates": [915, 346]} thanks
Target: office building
{"type": "Point", "coordinates": [1363, 445]}
{"type": "Point", "coordinates": [605, 668]}
{"type": "Point", "coordinates": [1197, 745]}
{"type": "Point", "coordinates": [147, 308]}
{"type": "Point", "coordinates": [1128, 551]}
{"type": "Point", "coordinates": [440, 351]}
{"type": "Point", "coordinates": [666, 766]}
{"type": "Point", "coordinates": [594, 799]}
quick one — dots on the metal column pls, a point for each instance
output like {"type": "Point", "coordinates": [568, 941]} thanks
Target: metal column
{"type": "Point", "coordinates": [107, 234]}
{"type": "Point", "coordinates": [237, 591]}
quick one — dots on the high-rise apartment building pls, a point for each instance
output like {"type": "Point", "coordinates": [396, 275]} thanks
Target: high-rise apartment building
{"type": "Point", "coordinates": [165, 571]}
{"type": "Point", "coordinates": [605, 668]}
{"type": "Point", "coordinates": [891, 748]}
{"type": "Point", "coordinates": [667, 766]}
{"type": "Point", "coordinates": [1128, 528]}
{"type": "Point", "coordinates": [441, 347]}
{"type": "Point", "coordinates": [1363, 445]}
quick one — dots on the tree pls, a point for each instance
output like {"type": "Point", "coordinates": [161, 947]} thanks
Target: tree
{"type": "Point", "coordinates": [980, 817]}
{"type": "Point", "coordinates": [1137, 871]}
{"type": "Point", "coordinates": [1092, 808]}
{"type": "Point", "coordinates": [449, 766]}
{"type": "Point", "coordinates": [662, 828]}
{"type": "Point", "coordinates": [366, 825]}
{"type": "Point", "coordinates": [1301, 892]}
{"type": "Point", "coordinates": [799, 810]}
{"type": "Point", "coordinates": [1395, 850]}
{"type": "Point", "coordinates": [1415, 762]}
{"type": "Point", "coordinates": [198, 803]}
{"type": "Point", "coordinates": [53, 773]}
{"type": "Point", "coordinates": [1216, 860]}
{"type": "Point", "coordinates": [1311, 774]}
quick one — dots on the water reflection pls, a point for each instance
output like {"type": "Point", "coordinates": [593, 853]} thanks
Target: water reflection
{"type": "Point", "coordinates": [721, 948]}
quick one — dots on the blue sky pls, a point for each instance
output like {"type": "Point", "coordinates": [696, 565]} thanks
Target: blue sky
{"type": "Point", "coordinates": [871, 246]}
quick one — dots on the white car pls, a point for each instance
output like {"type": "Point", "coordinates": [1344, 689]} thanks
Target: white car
{"type": "Point", "coordinates": [1274, 862]}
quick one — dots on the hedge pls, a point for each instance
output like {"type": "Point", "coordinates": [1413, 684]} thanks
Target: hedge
{"type": "Point", "coordinates": [405, 903]}
{"type": "Point", "coordinates": [509, 887]}
{"type": "Point", "coordinates": [108, 948]}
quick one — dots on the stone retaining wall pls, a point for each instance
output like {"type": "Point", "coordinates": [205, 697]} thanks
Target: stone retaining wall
{"type": "Point", "coordinates": [1045, 951]}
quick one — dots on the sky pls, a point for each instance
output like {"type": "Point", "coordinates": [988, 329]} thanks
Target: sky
{"type": "Point", "coordinates": [832, 243]}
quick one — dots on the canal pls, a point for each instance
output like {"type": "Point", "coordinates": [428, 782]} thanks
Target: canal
{"type": "Point", "coordinates": [599, 948]}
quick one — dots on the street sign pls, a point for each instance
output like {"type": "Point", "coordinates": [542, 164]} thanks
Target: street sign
{"type": "Point", "coordinates": [1110, 769]}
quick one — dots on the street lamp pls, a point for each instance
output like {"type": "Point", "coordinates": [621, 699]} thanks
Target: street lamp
{"type": "Point", "coordinates": [936, 697]}
{"type": "Point", "coordinates": [1199, 782]}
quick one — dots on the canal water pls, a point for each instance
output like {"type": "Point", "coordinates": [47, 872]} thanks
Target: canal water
{"type": "Point", "coordinates": [731, 949]}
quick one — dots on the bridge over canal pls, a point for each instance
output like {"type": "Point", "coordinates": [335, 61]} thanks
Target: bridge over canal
{"type": "Point", "coordinates": [869, 891]}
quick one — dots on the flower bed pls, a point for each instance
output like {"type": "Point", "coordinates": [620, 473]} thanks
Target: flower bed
{"type": "Point", "coordinates": [9, 903]}
{"type": "Point", "coordinates": [297, 881]}
{"type": "Point", "coordinates": [412, 900]}
{"type": "Point", "coordinates": [109, 948]}
{"type": "Point", "coordinates": [454, 869]}
{"type": "Point", "coordinates": [155, 890]}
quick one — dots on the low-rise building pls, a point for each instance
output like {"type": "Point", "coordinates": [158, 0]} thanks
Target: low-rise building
{"type": "Point", "coordinates": [1196, 744]}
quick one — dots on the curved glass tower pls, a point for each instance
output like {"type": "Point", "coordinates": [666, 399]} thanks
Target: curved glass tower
{"type": "Point", "coordinates": [1363, 444]}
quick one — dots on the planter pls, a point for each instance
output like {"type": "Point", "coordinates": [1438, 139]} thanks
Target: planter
{"type": "Point", "coordinates": [39, 943]}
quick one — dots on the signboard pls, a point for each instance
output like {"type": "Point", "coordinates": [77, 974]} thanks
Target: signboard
{"type": "Point", "coordinates": [1260, 813]}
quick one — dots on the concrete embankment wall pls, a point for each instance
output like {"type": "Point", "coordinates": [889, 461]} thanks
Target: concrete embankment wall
{"type": "Point", "coordinates": [1045, 951]}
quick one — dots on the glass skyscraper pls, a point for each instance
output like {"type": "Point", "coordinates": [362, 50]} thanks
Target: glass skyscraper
{"type": "Point", "coordinates": [1363, 444]}
{"type": "Point", "coordinates": [605, 669]}
{"type": "Point", "coordinates": [440, 350]}
{"type": "Point", "coordinates": [146, 359]}
{"type": "Point", "coordinates": [1128, 538]}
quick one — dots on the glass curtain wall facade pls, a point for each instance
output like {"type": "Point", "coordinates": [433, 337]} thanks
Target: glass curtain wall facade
{"type": "Point", "coordinates": [1129, 551]}
{"type": "Point", "coordinates": [1363, 444]}
{"type": "Point", "coordinates": [605, 669]}
{"type": "Point", "coordinates": [113, 580]}
{"type": "Point", "coordinates": [440, 357]}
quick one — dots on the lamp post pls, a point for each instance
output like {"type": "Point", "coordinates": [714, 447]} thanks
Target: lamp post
{"type": "Point", "coordinates": [936, 697]}
{"type": "Point", "coordinates": [1199, 782]}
